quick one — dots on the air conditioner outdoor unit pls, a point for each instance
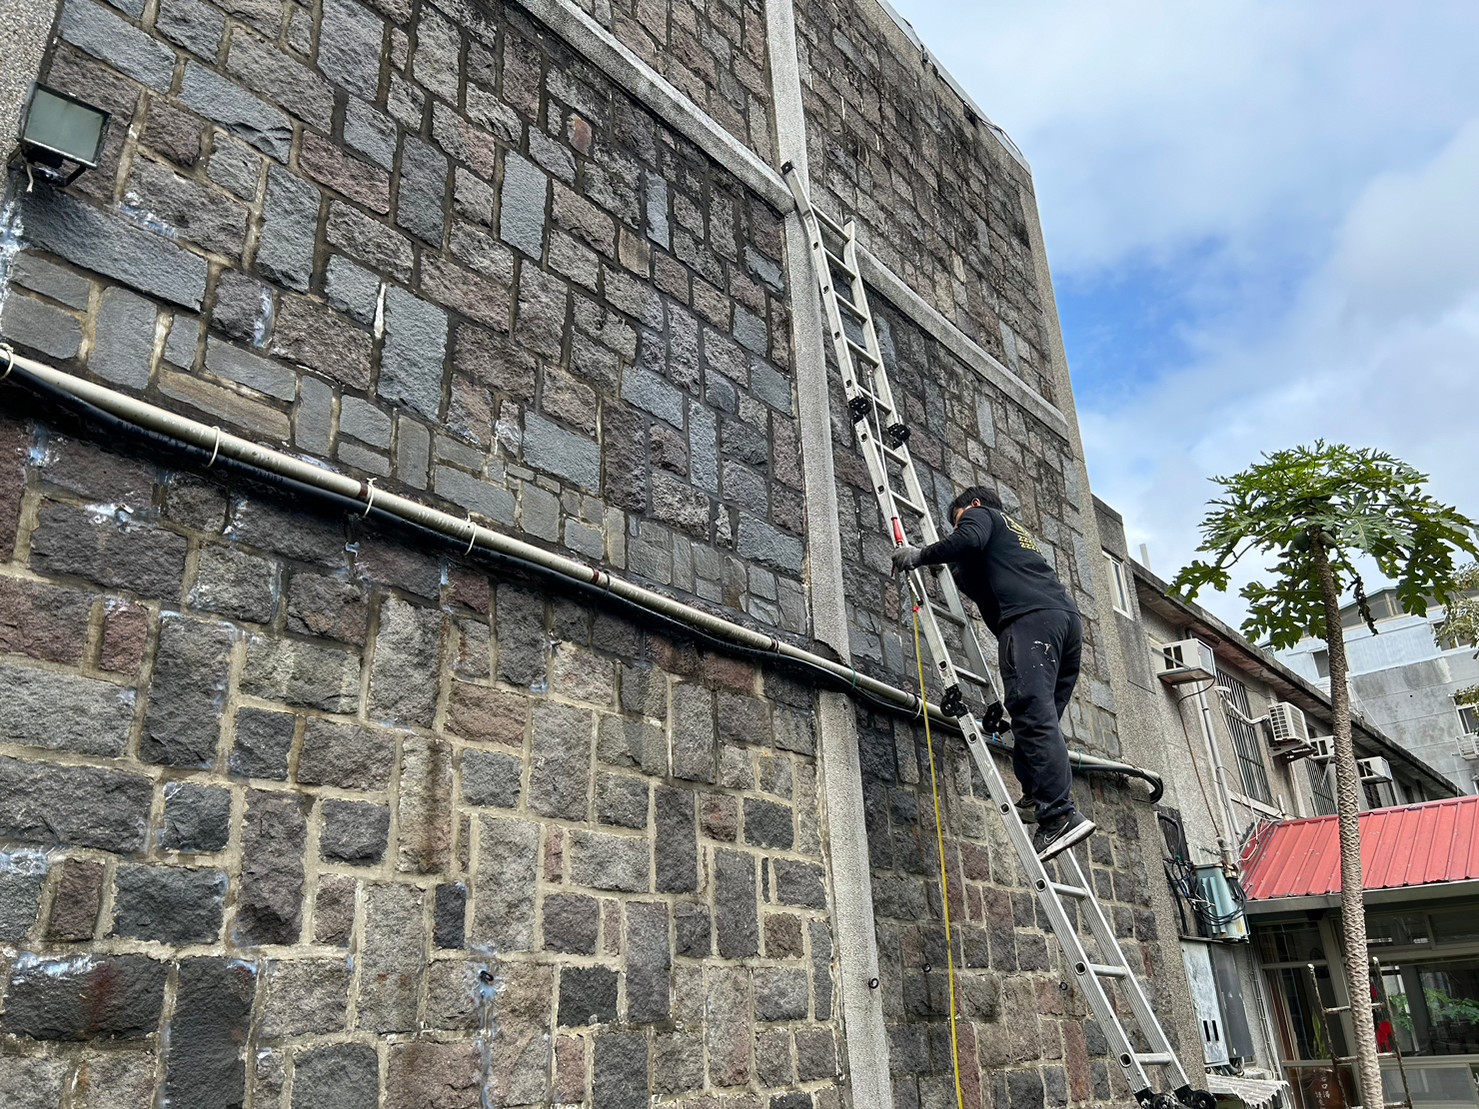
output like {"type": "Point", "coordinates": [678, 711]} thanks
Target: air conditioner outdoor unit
{"type": "Point", "coordinates": [1187, 660]}
{"type": "Point", "coordinates": [1286, 725]}
{"type": "Point", "coordinates": [1468, 746]}
{"type": "Point", "coordinates": [1324, 748]}
{"type": "Point", "coordinates": [1375, 769]}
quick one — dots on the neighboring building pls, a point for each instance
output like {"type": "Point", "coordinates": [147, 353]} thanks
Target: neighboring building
{"type": "Point", "coordinates": [300, 808]}
{"type": "Point", "coordinates": [1420, 867]}
{"type": "Point", "coordinates": [1403, 678]}
{"type": "Point", "coordinates": [1216, 716]}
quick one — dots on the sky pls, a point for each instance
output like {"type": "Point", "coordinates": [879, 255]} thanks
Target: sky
{"type": "Point", "coordinates": [1263, 225]}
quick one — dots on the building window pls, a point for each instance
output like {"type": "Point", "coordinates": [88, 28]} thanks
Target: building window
{"type": "Point", "coordinates": [1249, 749]}
{"type": "Point", "coordinates": [1379, 795]}
{"type": "Point", "coordinates": [1322, 662]}
{"type": "Point", "coordinates": [1119, 585]}
{"type": "Point", "coordinates": [1319, 774]}
{"type": "Point", "coordinates": [1468, 719]}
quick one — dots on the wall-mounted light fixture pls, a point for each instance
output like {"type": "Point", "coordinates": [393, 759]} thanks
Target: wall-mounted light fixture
{"type": "Point", "coordinates": [57, 129]}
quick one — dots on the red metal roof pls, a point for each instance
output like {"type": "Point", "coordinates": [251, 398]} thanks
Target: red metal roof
{"type": "Point", "coordinates": [1414, 845]}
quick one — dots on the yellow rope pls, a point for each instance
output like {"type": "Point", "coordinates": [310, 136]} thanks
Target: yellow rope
{"type": "Point", "coordinates": [944, 877]}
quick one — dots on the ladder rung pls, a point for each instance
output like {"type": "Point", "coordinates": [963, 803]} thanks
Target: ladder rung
{"type": "Point", "coordinates": [1154, 1059]}
{"type": "Point", "coordinates": [864, 353]}
{"type": "Point", "coordinates": [945, 614]}
{"type": "Point", "coordinates": [837, 263]}
{"type": "Point", "coordinates": [912, 506]}
{"type": "Point", "coordinates": [828, 222]}
{"type": "Point", "coordinates": [849, 305]}
{"type": "Point", "coordinates": [1102, 971]}
{"type": "Point", "coordinates": [973, 678]}
{"type": "Point", "coordinates": [1063, 890]}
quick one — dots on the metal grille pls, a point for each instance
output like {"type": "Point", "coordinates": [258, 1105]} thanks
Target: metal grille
{"type": "Point", "coordinates": [1245, 742]}
{"type": "Point", "coordinates": [1324, 795]}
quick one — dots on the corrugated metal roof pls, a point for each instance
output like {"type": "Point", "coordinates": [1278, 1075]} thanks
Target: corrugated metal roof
{"type": "Point", "coordinates": [1414, 845]}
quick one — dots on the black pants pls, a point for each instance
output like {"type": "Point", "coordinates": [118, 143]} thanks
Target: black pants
{"type": "Point", "coordinates": [1039, 655]}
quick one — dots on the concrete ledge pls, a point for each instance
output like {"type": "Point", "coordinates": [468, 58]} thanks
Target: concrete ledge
{"type": "Point", "coordinates": [602, 48]}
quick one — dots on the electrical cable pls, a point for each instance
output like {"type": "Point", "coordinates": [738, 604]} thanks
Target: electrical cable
{"type": "Point", "coordinates": [162, 444]}
{"type": "Point", "coordinates": [944, 876]}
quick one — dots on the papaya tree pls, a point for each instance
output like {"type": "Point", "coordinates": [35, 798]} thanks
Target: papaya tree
{"type": "Point", "coordinates": [1314, 512]}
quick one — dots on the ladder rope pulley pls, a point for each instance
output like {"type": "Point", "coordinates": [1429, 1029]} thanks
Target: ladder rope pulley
{"type": "Point", "coordinates": [883, 438]}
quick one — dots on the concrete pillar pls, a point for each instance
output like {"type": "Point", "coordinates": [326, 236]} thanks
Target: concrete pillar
{"type": "Point", "coordinates": [26, 27]}
{"type": "Point", "coordinates": [865, 1037]}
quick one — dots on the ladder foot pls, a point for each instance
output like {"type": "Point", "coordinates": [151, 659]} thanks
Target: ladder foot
{"type": "Point", "coordinates": [1196, 1099]}
{"type": "Point", "coordinates": [898, 435]}
{"type": "Point", "coordinates": [858, 408]}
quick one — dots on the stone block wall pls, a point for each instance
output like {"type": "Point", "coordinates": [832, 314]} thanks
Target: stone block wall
{"type": "Point", "coordinates": [439, 249]}
{"type": "Point", "coordinates": [937, 197]}
{"type": "Point", "coordinates": [298, 814]}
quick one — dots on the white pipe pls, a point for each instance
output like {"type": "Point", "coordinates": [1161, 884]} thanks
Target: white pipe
{"type": "Point", "coordinates": [225, 444]}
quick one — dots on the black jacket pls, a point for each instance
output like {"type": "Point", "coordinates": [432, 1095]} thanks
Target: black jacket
{"type": "Point", "coordinates": [997, 564]}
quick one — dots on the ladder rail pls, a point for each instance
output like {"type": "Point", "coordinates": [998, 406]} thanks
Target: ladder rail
{"type": "Point", "coordinates": [883, 440]}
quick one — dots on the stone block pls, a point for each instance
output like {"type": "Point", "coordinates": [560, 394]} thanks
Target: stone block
{"type": "Point", "coordinates": [354, 832]}
{"type": "Point", "coordinates": [189, 23]}
{"type": "Point", "coordinates": [269, 905]}
{"type": "Point", "coordinates": [691, 928]}
{"type": "Point", "coordinates": [560, 760]}
{"type": "Point", "coordinates": [250, 119]}
{"type": "Point", "coordinates": [204, 1067]}
{"type": "Point", "coordinates": [182, 724]}
{"type": "Point", "coordinates": [424, 806]}
{"type": "Point", "coordinates": [285, 249]}
{"type": "Point", "coordinates": [619, 1078]}
{"type": "Point", "coordinates": [102, 34]}
{"type": "Point", "coordinates": [350, 47]}
{"type": "Point", "coordinates": [393, 958]}
{"type": "Point", "coordinates": [421, 198]}
{"type": "Point", "coordinates": [53, 806]}
{"type": "Point", "coordinates": [76, 901]}
{"type": "Point", "coordinates": [407, 648]}
{"type": "Point", "coordinates": [312, 334]}
{"type": "Point", "coordinates": [49, 331]}
{"type": "Point", "coordinates": [169, 904]}
{"type": "Point", "coordinates": [411, 365]}
{"type": "Point", "coordinates": [338, 1076]}
{"type": "Point", "coordinates": [370, 132]}
{"type": "Point", "coordinates": [88, 997]}
{"type": "Point", "coordinates": [234, 583]}
{"type": "Point", "coordinates": [332, 607]}
{"type": "Point", "coordinates": [621, 801]}
{"type": "Point", "coordinates": [676, 846]}
{"type": "Point", "coordinates": [694, 733]}
{"type": "Point", "coordinates": [76, 542]}
{"type": "Point", "coordinates": [305, 997]}
{"type": "Point", "coordinates": [781, 994]}
{"type": "Point", "coordinates": [768, 824]}
{"type": "Point", "coordinates": [32, 1082]}
{"type": "Point", "coordinates": [522, 205]}
{"type": "Point", "coordinates": [298, 673]}
{"type": "Point", "coordinates": [503, 886]}
{"type": "Point", "coordinates": [371, 242]}
{"type": "Point", "coordinates": [648, 962]}
{"type": "Point", "coordinates": [63, 712]}
{"type": "Point", "coordinates": [334, 909]}
{"type": "Point", "coordinates": [193, 212]}
{"type": "Point", "coordinates": [610, 862]}
{"type": "Point", "coordinates": [735, 909]}
{"type": "Point", "coordinates": [728, 1028]}
{"type": "Point", "coordinates": [816, 1054]}
{"type": "Point", "coordinates": [587, 996]}
{"type": "Point", "coordinates": [553, 450]}
{"type": "Point", "coordinates": [346, 756]}
{"type": "Point", "coordinates": [570, 923]}
{"type": "Point", "coordinates": [449, 915]}
{"type": "Point", "coordinates": [264, 740]}
{"type": "Point", "coordinates": [196, 817]}
{"type": "Point", "coordinates": [491, 778]}
{"type": "Point", "coordinates": [261, 374]}
{"type": "Point", "coordinates": [272, 73]}
{"type": "Point", "coordinates": [22, 874]}
{"type": "Point", "coordinates": [425, 1075]}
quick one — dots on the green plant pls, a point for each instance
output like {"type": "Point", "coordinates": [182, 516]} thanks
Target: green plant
{"type": "Point", "coordinates": [1314, 511]}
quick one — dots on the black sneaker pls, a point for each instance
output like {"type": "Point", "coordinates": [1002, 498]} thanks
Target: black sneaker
{"type": "Point", "coordinates": [1061, 834]}
{"type": "Point", "coordinates": [1027, 810]}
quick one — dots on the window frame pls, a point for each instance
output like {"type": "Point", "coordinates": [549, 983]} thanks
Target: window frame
{"type": "Point", "coordinates": [1119, 585]}
{"type": "Point", "coordinates": [1253, 772]}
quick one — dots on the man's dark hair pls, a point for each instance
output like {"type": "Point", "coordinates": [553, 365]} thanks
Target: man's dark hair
{"type": "Point", "coordinates": [980, 493]}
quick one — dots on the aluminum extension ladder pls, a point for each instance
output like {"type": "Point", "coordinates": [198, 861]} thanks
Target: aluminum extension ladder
{"type": "Point", "coordinates": [883, 436]}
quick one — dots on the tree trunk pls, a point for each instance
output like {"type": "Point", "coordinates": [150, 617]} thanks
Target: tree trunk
{"type": "Point", "coordinates": [1348, 808]}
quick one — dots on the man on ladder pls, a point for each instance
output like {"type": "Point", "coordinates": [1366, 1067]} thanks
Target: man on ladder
{"type": "Point", "coordinates": [996, 562]}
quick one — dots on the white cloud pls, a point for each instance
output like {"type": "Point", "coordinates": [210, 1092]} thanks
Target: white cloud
{"type": "Point", "coordinates": [1304, 176]}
